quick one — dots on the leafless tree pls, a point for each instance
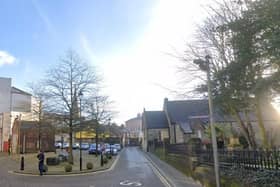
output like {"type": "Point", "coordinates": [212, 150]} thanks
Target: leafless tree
{"type": "Point", "coordinates": [63, 84]}
{"type": "Point", "coordinates": [99, 110]}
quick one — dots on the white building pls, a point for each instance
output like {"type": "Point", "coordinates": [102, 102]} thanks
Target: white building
{"type": "Point", "coordinates": [134, 128]}
{"type": "Point", "coordinates": [14, 103]}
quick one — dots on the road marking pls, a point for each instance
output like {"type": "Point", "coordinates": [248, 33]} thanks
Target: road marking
{"type": "Point", "coordinates": [160, 176]}
{"type": "Point", "coordinates": [156, 170]}
{"type": "Point", "coordinates": [130, 183]}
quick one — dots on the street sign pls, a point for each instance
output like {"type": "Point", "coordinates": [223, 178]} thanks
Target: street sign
{"type": "Point", "coordinates": [130, 183]}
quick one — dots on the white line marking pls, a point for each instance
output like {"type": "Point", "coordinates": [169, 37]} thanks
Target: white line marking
{"type": "Point", "coordinates": [130, 183]}
{"type": "Point", "coordinates": [161, 178]}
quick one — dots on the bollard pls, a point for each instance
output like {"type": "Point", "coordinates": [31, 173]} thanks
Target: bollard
{"type": "Point", "coordinates": [101, 159]}
{"type": "Point", "coordinates": [22, 163]}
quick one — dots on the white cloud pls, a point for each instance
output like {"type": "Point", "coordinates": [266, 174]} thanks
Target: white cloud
{"type": "Point", "coordinates": [6, 58]}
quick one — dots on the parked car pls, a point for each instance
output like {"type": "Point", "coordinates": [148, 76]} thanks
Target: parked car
{"type": "Point", "coordinates": [63, 156]}
{"type": "Point", "coordinates": [76, 146]}
{"type": "Point", "coordinates": [111, 149]}
{"type": "Point", "coordinates": [92, 149]}
{"type": "Point", "coordinates": [118, 147]}
{"type": "Point", "coordinates": [65, 145]}
{"type": "Point", "coordinates": [57, 145]}
{"type": "Point", "coordinates": [84, 146]}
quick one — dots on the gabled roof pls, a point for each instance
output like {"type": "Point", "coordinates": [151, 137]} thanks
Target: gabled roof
{"type": "Point", "coordinates": [155, 119]}
{"type": "Point", "coordinates": [183, 111]}
{"type": "Point", "coordinates": [180, 110]}
{"type": "Point", "coordinates": [19, 91]}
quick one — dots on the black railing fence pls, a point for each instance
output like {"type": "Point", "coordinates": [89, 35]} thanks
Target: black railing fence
{"type": "Point", "coordinates": [247, 159]}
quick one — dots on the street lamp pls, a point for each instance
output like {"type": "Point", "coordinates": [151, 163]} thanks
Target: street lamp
{"type": "Point", "coordinates": [204, 65]}
{"type": "Point", "coordinates": [80, 96]}
{"type": "Point", "coordinates": [110, 142]}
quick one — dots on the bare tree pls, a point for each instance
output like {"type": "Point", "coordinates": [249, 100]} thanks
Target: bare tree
{"type": "Point", "coordinates": [214, 38]}
{"type": "Point", "coordinates": [98, 110]}
{"type": "Point", "coordinates": [63, 83]}
{"type": "Point", "coordinates": [39, 105]}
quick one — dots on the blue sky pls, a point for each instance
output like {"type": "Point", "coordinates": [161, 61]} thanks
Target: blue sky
{"type": "Point", "coordinates": [38, 32]}
{"type": "Point", "coordinates": [124, 39]}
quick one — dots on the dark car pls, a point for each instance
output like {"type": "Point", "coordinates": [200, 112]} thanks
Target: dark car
{"type": "Point", "coordinates": [92, 149]}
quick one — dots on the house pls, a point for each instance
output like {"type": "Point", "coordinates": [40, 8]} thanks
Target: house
{"type": "Point", "coordinates": [190, 118]}
{"type": "Point", "coordinates": [155, 127]}
{"type": "Point", "coordinates": [14, 103]}
{"type": "Point", "coordinates": [134, 132]}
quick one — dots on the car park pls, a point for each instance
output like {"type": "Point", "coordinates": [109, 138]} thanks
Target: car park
{"type": "Point", "coordinates": [92, 149]}
{"type": "Point", "coordinates": [76, 146]}
{"type": "Point", "coordinates": [65, 145]}
{"type": "Point", "coordinates": [111, 149]}
{"type": "Point", "coordinates": [84, 146]}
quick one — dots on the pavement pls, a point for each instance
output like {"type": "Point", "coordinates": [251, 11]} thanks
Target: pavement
{"type": "Point", "coordinates": [174, 177]}
{"type": "Point", "coordinates": [132, 168]}
{"type": "Point", "coordinates": [31, 163]}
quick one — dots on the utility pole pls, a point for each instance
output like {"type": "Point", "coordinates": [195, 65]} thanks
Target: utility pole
{"type": "Point", "coordinates": [205, 66]}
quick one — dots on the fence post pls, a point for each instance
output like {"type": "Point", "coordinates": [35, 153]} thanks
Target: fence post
{"type": "Point", "coordinates": [276, 159]}
{"type": "Point", "coordinates": [255, 159]}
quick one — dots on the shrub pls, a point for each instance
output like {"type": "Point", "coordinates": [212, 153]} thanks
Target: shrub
{"type": "Point", "coordinates": [109, 156]}
{"type": "Point", "coordinates": [89, 165]}
{"type": "Point", "coordinates": [45, 168]}
{"type": "Point", "coordinates": [105, 160]}
{"type": "Point", "coordinates": [68, 168]}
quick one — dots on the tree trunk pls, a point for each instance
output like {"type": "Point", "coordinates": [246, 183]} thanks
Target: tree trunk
{"type": "Point", "coordinates": [71, 161]}
{"type": "Point", "coordinates": [265, 143]}
{"type": "Point", "coordinates": [96, 140]}
{"type": "Point", "coordinates": [243, 127]}
{"type": "Point", "coordinates": [250, 130]}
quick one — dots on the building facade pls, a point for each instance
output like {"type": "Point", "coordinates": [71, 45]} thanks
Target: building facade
{"type": "Point", "coordinates": [134, 130]}
{"type": "Point", "coordinates": [14, 103]}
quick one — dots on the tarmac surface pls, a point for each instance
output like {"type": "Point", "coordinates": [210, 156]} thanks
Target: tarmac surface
{"type": "Point", "coordinates": [132, 169]}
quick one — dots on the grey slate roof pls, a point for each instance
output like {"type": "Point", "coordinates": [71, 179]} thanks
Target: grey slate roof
{"type": "Point", "coordinates": [155, 119]}
{"type": "Point", "coordinates": [180, 110]}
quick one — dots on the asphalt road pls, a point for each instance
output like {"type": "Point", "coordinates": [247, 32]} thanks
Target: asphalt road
{"type": "Point", "coordinates": [132, 169]}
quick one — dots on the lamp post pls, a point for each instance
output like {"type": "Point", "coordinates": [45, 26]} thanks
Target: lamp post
{"type": "Point", "coordinates": [110, 142]}
{"type": "Point", "coordinates": [80, 96]}
{"type": "Point", "coordinates": [204, 65]}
